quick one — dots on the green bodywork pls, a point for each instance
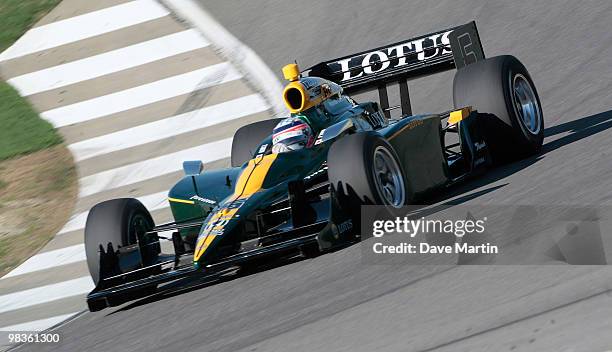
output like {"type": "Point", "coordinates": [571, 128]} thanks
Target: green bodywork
{"type": "Point", "coordinates": [416, 139]}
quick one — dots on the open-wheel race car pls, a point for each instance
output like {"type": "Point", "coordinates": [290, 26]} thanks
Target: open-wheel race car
{"type": "Point", "coordinates": [296, 184]}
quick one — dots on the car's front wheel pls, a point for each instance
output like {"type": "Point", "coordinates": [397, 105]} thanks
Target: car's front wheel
{"type": "Point", "coordinates": [113, 224]}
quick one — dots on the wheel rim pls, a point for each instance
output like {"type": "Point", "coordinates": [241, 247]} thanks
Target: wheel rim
{"type": "Point", "coordinates": [138, 227]}
{"type": "Point", "coordinates": [388, 178]}
{"type": "Point", "coordinates": [526, 104]}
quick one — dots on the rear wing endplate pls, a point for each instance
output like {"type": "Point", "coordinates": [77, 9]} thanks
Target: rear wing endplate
{"type": "Point", "coordinates": [402, 61]}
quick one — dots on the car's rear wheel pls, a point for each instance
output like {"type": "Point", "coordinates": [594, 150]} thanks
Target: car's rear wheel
{"type": "Point", "coordinates": [364, 169]}
{"type": "Point", "coordinates": [248, 138]}
{"type": "Point", "coordinates": [502, 88]}
{"type": "Point", "coordinates": [118, 222]}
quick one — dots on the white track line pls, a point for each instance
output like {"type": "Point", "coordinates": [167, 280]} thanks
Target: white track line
{"type": "Point", "coordinates": [109, 62]}
{"type": "Point", "coordinates": [84, 26]}
{"type": "Point", "coordinates": [142, 95]}
{"type": "Point", "coordinates": [152, 202]}
{"type": "Point", "coordinates": [44, 294]}
{"type": "Point", "coordinates": [76, 222]}
{"type": "Point", "coordinates": [38, 325]}
{"type": "Point", "coordinates": [144, 170]}
{"type": "Point", "coordinates": [169, 127]}
{"type": "Point", "coordinates": [76, 253]}
{"type": "Point", "coordinates": [44, 260]}
{"type": "Point", "coordinates": [244, 57]}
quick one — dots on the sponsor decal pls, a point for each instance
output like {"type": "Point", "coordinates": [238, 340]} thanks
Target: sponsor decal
{"type": "Point", "coordinates": [237, 203]}
{"type": "Point", "coordinates": [417, 50]}
{"type": "Point", "coordinates": [480, 146]}
{"type": "Point", "coordinates": [320, 137]}
{"type": "Point", "coordinates": [410, 125]}
{"type": "Point", "coordinates": [262, 149]}
{"type": "Point", "coordinates": [215, 230]}
{"type": "Point", "coordinates": [345, 226]}
{"type": "Point", "coordinates": [414, 124]}
{"type": "Point", "coordinates": [216, 224]}
{"type": "Point", "coordinates": [376, 119]}
{"type": "Point", "coordinates": [203, 200]}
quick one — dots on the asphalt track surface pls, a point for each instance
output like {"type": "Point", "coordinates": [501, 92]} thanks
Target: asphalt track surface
{"type": "Point", "coordinates": [335, 302]}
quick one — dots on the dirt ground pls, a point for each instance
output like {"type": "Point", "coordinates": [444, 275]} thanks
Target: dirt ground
{"type": "Point", "coordinates": [37, 194]}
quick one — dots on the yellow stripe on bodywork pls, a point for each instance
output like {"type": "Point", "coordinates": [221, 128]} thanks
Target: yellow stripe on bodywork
{"type": "Point", "coordinates": [249, 182]}
{"type": "Point", "coordinates": [202, 245]}
{"type": "Point", "coordinates": [252, 177]}
{"type": "Point", "coordinates": [459, 115]}
{"type": "Point", "coordinates": [176, 200]}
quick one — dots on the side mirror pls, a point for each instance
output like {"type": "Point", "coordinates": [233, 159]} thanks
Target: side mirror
{"type": "Point", "coordinates": [193, 167]}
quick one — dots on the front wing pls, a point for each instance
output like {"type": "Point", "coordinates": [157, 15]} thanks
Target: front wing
{"type": "Point", "coordinates": [178, 272]}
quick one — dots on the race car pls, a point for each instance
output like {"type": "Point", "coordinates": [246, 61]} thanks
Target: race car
{"type": "Point", "coordinates": [296, 184]}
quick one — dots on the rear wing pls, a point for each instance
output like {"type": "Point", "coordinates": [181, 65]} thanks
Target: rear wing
{"type": "Point", "coordinates": [402, 61]}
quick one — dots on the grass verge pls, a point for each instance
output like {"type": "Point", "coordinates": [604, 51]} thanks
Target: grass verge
{"type": "Point", "coordinates": [37, 174]}
{"type": "Point", "coordinates": [22, 130]}
{"type": "Point", "coordinates": [18, 16]}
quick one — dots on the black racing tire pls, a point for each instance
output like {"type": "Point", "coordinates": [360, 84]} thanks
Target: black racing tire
{"type": "Point", "coordinates": [115, 221]}
{"type": "Point", "coordinates": [247, 139]}
{"type": "Point", "coordinates": [496, 87]}
{"type": "Point", "coordinates": [352, 176]}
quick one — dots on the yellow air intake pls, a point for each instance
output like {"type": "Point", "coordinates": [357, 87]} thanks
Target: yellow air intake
{"type": "Point", "coordinates": [296, 97]}
{"type": "Point", "coordinates": [295, 94]}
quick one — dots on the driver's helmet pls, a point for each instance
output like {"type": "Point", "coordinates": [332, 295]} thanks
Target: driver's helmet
{"type": "Point", "coordinates": [291, 134]}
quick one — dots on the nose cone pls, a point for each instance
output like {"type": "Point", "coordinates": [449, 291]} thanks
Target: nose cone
{"type": "Point", "coordinates": [262, 181]}
{"type": "Point", "coordinates": [222, 222]}
{"type": "Point", "coordinates": [213, 228]}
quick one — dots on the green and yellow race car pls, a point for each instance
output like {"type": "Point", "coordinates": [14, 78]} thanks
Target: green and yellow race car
{"type": "Point", "coordinates": [296, 184]}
